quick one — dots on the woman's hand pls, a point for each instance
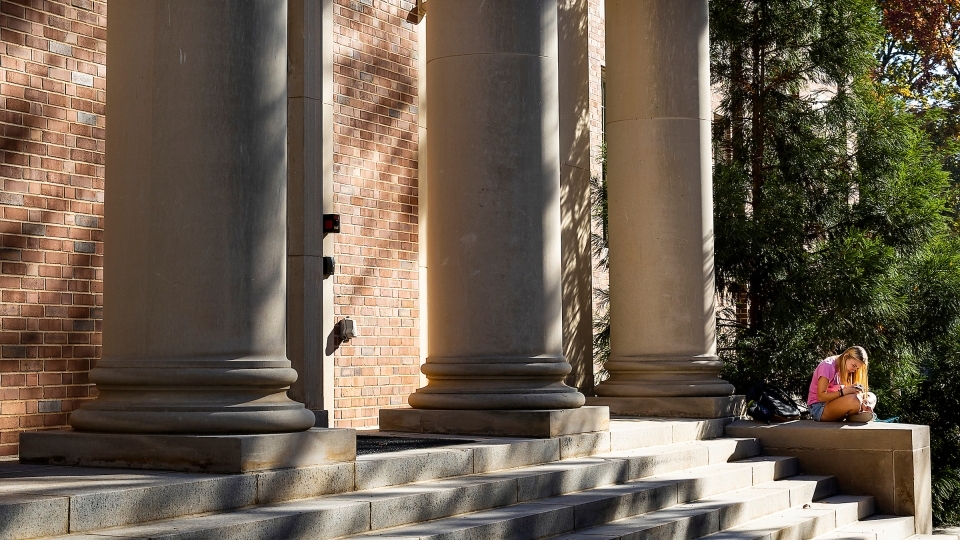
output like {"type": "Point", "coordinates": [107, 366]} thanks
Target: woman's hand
{"type": "Point", "coordinates": [857, 390]}
{"type": "Point", "coordinates": [852, 389]}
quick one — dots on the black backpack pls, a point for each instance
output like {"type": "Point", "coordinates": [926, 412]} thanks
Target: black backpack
{"type": "Point", "coordinates": [770, 404]}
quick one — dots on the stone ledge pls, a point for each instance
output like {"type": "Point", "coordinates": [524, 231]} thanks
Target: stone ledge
{"type": "Point", "coordinates": [673, 407]}
{"type": "Point", "coordinates": [229, 454]}
{"type": "Point", "coordinates": [891, 462]}
{"type": "Point", "coordinates": [839, 435]}
{"type": "Point", "coordinates": [509, 423]}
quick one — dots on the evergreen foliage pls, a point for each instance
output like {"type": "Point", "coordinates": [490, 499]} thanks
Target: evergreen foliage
{"type": "Point", "coordinates": [598, 243]}
{"type": "Point", "coordinates": [832, 217]}
{"type": "Point", "coordinates": [919, 61]}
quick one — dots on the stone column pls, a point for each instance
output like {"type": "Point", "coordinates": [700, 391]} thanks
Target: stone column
{"type": "Point", "coordinates": [574, 93]}
{"type": "Point", "coordinates": [663, 336]}
{"type": "Point", "coordinates": [195, 265]}
{"type": "Point", "coordinates": [495, 340]}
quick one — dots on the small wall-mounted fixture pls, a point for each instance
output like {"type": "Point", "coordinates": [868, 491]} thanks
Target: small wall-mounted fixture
{"type": "Point", "coordinates": [329, 267]}
{"type": "Point", "coordinates": [331, 223]}
{"type": "Point", "coordinates": [348, 329]}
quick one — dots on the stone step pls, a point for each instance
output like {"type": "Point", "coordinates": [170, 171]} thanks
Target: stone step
{"type": "Point", "coordinates": [390, 507]}
{"type": "Point", "coordinates": [539, 486]}
{"type": "Point", "coordinates": [605, 505]}
{"type": "Point", "coordinates": [707, 516]}
{"type": "Point", "coordinates": [76, 500]}
{"type": "Point", "coordinates": [801, 521]}
{"type": "Point", "coordinates": [656, 498]}
{"type": "Point", "coordinates": [71, 499]}
{"type": "Point", "coordinates": [38, 501]}
{"type": "Point", "coordinates": [877, 527]}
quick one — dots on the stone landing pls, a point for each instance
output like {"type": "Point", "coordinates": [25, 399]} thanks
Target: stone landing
{"type": "Point", "coordinates": [229, 454]}
{"type": "Point", "coordinates": [673, 407]}
{"type": "Point", "coordinates": [500, 423]}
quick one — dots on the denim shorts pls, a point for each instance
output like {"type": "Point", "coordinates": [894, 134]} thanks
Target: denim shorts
{"type": "Point", "coordinates": [816, 410]}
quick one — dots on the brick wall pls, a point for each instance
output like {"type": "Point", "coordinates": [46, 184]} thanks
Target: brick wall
{"type": "Point", "coordinates": [51, 165]}
{"type": "Point", "coordinates": [52, 87]}
{"type": "Point", "coordinates": [375, 191]}
{"type": "Point", "coordinates": [597, 53]}
{"type": "Point", "coordinates": [51, 102]}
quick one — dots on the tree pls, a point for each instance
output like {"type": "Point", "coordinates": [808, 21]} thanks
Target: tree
{"type": "Point", "coordinates": [831, 212]}
{"type": "Point", "coordinates": [919, 60]}
{"type": "Point", "coordinates": [920, 46]}
{"type": "Point", "coordinates": [599, 248]}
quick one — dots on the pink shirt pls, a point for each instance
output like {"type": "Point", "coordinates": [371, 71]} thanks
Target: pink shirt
{"type": "Point", "coordinates": [828, 370]}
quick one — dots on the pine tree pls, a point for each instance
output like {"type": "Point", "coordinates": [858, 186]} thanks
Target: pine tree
{"type": "Point", "coordinates": [599, 248]}
{"type": "Point", "coordinates": [831, 216]}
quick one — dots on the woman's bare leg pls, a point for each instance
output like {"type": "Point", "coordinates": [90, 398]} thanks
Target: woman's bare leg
{"type": "Point", "coordinates": [838, 409]}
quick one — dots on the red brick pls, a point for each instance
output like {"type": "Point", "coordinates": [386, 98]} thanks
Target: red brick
{"type": "Point", "coordinates": [13, 407]}
{"type": "Point", "coordinates": [37, 163]}
{"type": "Point", "coordinates": [63, 171]}
{"type": "Point", "coordinates": [31, 421]}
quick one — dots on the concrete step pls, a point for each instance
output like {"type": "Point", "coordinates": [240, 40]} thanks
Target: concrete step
{"type": "Point", "coordinates": [874, 528]}
{"type": "Point", "coordinates": [37, 501]}
{"type": "Point", "coordinates": [531, 493]}
{"type": "Point", "coordinates": [707, 516]}
{"type": "Point", "coordinates": [42, 500]}
{"type": "Point", "coordinates": [657, 498]}
{"type": "Point", "coordinates": [801, 521]}
{"type": "Point", "coordinates": [77, 500]}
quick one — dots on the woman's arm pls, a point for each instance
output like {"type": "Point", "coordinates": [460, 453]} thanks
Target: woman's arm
{"type": "Point", "coordinates": [822, 395]}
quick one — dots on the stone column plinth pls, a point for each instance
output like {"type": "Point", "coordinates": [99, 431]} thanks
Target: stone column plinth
{"type": "Point", "coordinates": [495, 340]}
{"type": "Point", "coordinates": [662, 298]}
{"type": "Point", "coordinates": [195, 261]}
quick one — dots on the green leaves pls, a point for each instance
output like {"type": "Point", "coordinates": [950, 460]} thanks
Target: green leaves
{"type": "Point", "coordinates": [832, 214]}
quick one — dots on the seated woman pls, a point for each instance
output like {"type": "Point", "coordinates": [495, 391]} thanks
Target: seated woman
{"type": "Point", "coordinates": [839, 389]}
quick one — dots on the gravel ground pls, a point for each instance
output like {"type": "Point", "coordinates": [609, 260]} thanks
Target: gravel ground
{"type": "Point", "coordinates": [379, 445]}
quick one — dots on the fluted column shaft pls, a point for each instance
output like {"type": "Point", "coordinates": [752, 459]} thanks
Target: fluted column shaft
{"type": "Point", "coordinates": [194, 299]}
{"type": "Point", "coordinates": [662, 295]}
{"type": "Point", "coordinates": [495, 338]}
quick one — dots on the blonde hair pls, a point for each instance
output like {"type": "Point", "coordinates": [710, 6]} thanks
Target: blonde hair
{"type": "Point", "coordinates": [857, 377]}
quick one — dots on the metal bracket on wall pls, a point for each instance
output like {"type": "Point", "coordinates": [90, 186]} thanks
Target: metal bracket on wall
{"type": "Point", "coordinates": [329, 267]}
{"type": "Point", "coordinates": [421, 9]}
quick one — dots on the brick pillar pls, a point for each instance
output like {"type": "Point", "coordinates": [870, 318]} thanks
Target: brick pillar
{"type": "Point", "coordinates": [194, 299]}
{"type": "Point", "coordinates": [663, 330]}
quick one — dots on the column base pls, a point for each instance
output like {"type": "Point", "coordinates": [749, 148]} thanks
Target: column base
{"type": "Point", "coordinates": [674, 407]}
{"type": "Point", "coordinates": [229, 454]}
{"type": "Point", "coordinates": [502, 423]}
